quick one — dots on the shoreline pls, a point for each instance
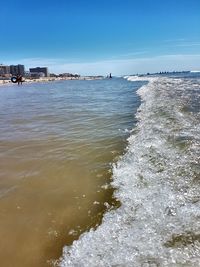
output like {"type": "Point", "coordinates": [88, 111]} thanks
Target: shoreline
{"type": "Point", "coordinates": [52, 79]}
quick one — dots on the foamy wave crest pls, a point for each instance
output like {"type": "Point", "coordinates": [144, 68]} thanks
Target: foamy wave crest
{"type": "Point", "coordinates": [157, 182]}
{"type": "Point", "coordinates": [140, 78]}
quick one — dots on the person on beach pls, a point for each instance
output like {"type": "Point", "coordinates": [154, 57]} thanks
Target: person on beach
{"type": "Point", "coordinates": [19, 79]}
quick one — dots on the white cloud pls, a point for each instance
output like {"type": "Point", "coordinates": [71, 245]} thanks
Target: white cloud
{"type": "Point", "coordinates": [130, 66]}
{"type": "Point", "coordinates": [118, 66]}
{"type": "Point", "coordinates": [188, 44]}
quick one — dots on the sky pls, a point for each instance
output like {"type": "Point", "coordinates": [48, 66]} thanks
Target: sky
{"type": "Point", "coordinates": [92, 37]}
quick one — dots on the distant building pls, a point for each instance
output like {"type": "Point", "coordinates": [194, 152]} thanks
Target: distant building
{"type": "Point", "coordinates": [36, 75]}
{"type": "Point", "coordinates": [53, 75]}
{"type": "Point", "coordinates": [4, 70]}
{"type": "Point", "coordinates": [39, 70]}
{"type": "Point", "coordinates": [17, 69]}
{"type": "Point", "coordinates": [66, 75]}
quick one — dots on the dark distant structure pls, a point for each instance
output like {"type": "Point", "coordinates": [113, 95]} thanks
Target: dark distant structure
{"type": "Point", "coordinates": [17, 69]}
{"type": "Point", "coordinates": [4, 70]}
{"type": "Point", "coordinates": [110, 76]}
{"type": "Point", "coordinates": [69, 75]}
{"type": "Point", "coordinates": [40, 70]}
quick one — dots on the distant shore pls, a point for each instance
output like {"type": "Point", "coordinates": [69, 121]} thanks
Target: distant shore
{"type": "Point", "coordinates": [51, 79]}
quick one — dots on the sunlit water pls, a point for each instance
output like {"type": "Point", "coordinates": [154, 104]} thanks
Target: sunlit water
{"type": "Point", "coordinates": [57, 143]}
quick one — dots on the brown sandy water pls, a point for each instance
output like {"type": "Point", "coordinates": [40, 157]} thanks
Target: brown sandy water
{"type": "Point", "coordinates": [57, 144]}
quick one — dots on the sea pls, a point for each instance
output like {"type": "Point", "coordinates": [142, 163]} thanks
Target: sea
{"type": "Point", "coordinates": [101, 172]}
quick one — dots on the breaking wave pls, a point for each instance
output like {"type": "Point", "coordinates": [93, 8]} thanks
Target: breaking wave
{"type": "Point", "coordinates": [158, 185]}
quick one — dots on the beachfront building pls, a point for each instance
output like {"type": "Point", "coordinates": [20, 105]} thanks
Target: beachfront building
{"type": "Point", "coordinates": [36, 75]}
{"type": "Point", "coordinates": [40, 70]}
{"type": "Point", "coordinates": [17, 70]}
{"type": "Point", "coordinates": [4, 70]}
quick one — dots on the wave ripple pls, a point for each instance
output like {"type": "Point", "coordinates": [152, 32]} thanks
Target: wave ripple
{"type": "Point", "coordinates": [157, 182]}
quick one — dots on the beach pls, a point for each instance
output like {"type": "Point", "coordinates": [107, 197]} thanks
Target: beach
{"type": "Point", "coordinates": [100, 133]}
{"type": "Point", "coordinates": [52, 79]}
{"type": "Point", "coordinates": [101, 172]}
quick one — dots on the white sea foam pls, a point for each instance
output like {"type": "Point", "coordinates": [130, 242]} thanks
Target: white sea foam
{"type": "Point", "coordinates": [140, 78]}
{"type": "Point", "coordinates": [157, 182]}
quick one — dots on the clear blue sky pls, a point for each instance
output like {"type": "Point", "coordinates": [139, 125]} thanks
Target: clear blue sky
{"type": "Point", "coordinates": [91, 37]}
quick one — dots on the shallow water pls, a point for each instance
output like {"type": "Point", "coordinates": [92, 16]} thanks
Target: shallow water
{"type": "Point", "coordinates": [157, 182]}
{"type": "Point", "coordinates": [57, 143]}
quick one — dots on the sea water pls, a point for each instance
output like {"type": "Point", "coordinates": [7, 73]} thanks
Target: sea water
{"type": "Point", "coordinates": [157, 182]}
{"type": "Point", "coordinates": [58, 141]}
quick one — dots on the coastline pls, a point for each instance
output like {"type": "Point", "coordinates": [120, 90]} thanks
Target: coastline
{"type": "Point", "coordinates": [51, 79]}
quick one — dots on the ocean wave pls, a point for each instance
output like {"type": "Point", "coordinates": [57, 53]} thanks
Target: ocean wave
{"type": "Point", "coordinates": [141, 78]}
{"type": "Point", "coordinates": [157, 183]}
